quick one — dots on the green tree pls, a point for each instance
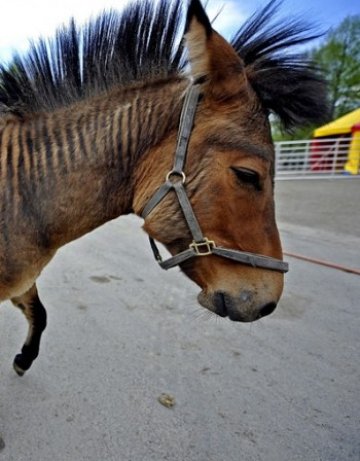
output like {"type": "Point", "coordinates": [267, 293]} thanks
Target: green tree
{"type": "Point", "coordinates": [339, 59]}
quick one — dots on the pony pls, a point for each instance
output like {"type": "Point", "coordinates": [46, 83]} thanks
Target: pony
{"type": "Point", "coordinates": [90, 122]}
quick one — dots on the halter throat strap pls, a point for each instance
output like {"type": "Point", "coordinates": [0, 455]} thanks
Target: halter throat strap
{"type": "Point", "coordinates": [175, 180]}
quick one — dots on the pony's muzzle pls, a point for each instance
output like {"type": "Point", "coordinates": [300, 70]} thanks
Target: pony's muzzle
{"type": "Point", "coordinates": [242, 308]}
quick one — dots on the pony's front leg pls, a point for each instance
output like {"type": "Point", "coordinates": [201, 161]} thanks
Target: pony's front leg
{"type": "Point", "coordinates": [35, 313]}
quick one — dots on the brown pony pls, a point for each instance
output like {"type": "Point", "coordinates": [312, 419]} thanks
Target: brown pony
{"type": "Point", "coordinates": [88, 131]}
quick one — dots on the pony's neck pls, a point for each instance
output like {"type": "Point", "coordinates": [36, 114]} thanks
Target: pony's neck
{"type": "Point", "coordinates": [95, 148]}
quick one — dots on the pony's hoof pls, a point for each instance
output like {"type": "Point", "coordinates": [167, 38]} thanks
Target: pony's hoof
{"type": "Point", "coordinates": [20, 366]}
{"type": "Point", "coordinates": [18, 370]}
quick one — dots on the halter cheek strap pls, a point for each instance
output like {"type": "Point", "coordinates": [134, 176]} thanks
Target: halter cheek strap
{"type": "Point", "coordinates": [175, 180]}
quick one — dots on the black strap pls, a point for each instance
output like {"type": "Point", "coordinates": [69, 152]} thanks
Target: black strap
{"type": "Point", "coordinates": [252, 259]}
{"type": "Point", "coordinates": [188, 212]}
{"type": "Point", "coordinates": [186, 124]}
{"type": "Point", "coordinates": [156, 199]}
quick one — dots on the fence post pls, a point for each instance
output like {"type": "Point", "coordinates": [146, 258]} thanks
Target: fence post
{"type": "Point", "coordinates": [277, 156]}
{"type": "Point", "coordinates": [335, 157]}
{"type": "Point", "coordinates": [306, 156]}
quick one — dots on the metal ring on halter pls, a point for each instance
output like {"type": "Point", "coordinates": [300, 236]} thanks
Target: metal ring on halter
{"type": "Point", "coordinates": [177, 173]}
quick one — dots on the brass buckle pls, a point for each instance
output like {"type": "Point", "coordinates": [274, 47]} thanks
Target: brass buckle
{"type": "Point", "coordinates": [203, 248]}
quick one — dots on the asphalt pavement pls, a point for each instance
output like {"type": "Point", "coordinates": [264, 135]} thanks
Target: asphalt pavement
{"type": "Point", "coordinates": [122, 333]}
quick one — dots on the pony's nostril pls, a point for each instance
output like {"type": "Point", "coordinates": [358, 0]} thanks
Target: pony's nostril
{"type": "Point", "coordinates": [220, 304]}
{"type": "Point", "coordinates": [267, 309]}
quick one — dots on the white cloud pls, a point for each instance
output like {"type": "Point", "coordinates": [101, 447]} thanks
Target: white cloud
{"type": "Point", "coordinates": [230, 18]}
{"type": "Point", "coordinates": [21, 20]}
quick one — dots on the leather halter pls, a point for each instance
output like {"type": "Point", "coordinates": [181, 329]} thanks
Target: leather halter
{"type": "Point", "coordinates": [175, 180]}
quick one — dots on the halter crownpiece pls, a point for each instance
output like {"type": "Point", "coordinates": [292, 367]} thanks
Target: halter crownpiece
{"type": "Point", "coordinates": [175, 180]}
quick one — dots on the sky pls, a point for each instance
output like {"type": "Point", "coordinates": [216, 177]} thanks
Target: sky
{"type": "Point", "coordinates": [22, 20]}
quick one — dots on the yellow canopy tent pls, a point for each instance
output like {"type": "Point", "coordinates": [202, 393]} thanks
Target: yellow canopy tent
{"type": "Point", "coordinates": [342, 125]}
{"type": "Point", "coordinates": [349, 123]}
{"type": "Point", "coordinates": [352, 165]}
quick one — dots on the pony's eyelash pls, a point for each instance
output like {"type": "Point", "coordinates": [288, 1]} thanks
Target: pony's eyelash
{"type": "Point", "coordinates": [247, 176]}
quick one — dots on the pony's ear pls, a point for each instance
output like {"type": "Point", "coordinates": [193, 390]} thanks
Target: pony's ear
{"type": "Point", "coordinates": [198, 30]}
{"type": "Point", "coordinates": [211, 57]}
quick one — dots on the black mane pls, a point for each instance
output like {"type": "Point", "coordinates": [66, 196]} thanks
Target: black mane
{"type": "Point", "coordinates": [288, 85]}
{"type": "Point", "coordinates": [142, 44]}
{"type": "Point", "coordinates": [139, 44]}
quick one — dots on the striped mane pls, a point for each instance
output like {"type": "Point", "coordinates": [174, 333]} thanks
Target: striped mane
{"type": "Point", "coordinates": [142, 44]}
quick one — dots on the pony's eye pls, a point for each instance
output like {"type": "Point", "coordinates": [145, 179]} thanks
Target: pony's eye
{"type": "Point", "coordinates": [246, 176]}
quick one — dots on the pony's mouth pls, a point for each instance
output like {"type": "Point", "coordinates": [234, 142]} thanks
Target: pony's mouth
{"type": "Point", "coordinates": [220, 304]}
{"type": "Point", "coordinates": [242, 309]}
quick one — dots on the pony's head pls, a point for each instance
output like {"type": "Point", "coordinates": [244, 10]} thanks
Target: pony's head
{"type": "Point", "coordinates": [230, 160]}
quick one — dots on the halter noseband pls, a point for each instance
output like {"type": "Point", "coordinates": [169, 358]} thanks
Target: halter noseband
{"type": "Point", "coordinates": [175, 180]}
